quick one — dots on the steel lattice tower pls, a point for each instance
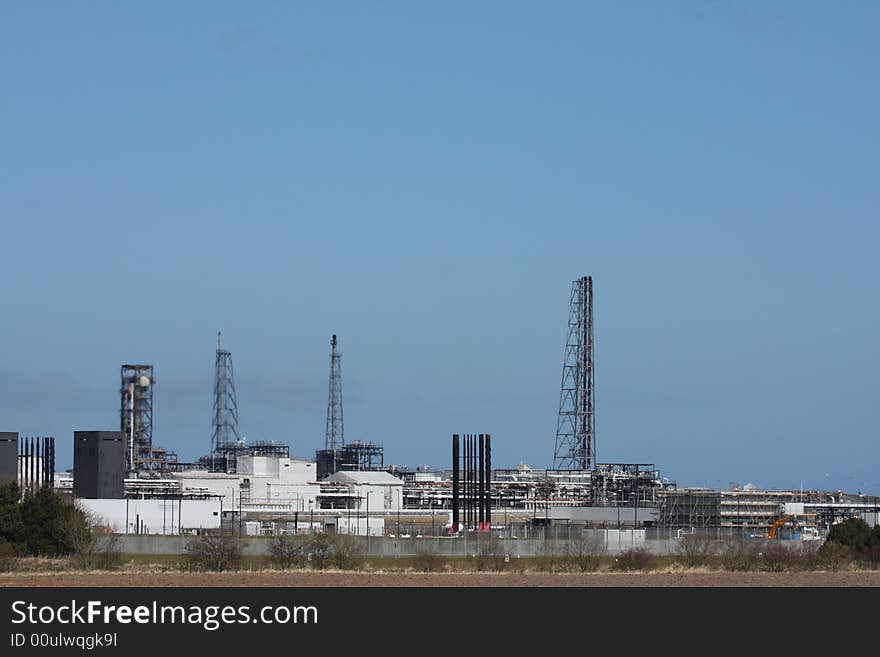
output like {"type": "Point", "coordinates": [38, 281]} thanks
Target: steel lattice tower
{"type": "Point", "coordinates": [576, 425]}
{"type": "Point", "coordinates": [334, 432]}
{"type": "Point", "coordinates": [225, 402]}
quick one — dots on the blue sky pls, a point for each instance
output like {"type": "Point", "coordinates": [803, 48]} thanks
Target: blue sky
{"type": "Point", "coordinates": [426, 181]}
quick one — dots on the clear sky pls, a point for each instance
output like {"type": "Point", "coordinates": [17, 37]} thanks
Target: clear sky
{"type": "Point", "coordinates": [426, 180]}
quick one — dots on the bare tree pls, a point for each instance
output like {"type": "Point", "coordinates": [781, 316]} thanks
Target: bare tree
{"type": "Point", "coordinates": [697, 549]}
{"type": "Point", "coordinates": [635, 559]}
{"type": "Point", "coordinates": [95, 546]}
{"type": "Point", "coordinates": [215, 552]}
{"type": "Point", "coordinates": [549, 557]}
{"type": "Point", "coordinates": [490, 554]}
{"type": "Point", "coordinates": [287, 551]}
{"type": "Point", "coordinates": [427, 559]}
{"type": "Point", "coordinates": [585, 551]}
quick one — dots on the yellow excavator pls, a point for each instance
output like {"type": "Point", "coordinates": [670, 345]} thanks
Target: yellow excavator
{"type": "Point", "coordinates": [781, 522]}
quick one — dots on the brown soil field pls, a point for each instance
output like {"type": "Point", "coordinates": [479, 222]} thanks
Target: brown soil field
{"type": "Point", "coordinates": [343, 579]}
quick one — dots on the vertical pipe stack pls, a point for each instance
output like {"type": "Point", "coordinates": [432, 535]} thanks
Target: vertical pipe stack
{"type": "Point", "coordinates": [455, 477]}
{"type": "Point", "coordinates": [36, 463]}
{"type": "Point", "coordinates": [481, 490]}
{"type": "Point", "coordinates": [471, 482]}
{"type": "Point", "coordinates": [488, 482]}
{"type": "Point", "coordinates": [471, 451]}
{"type": "Point", "coordinates": [38, 469]}
{"type": "Point", "coordinates": [47, 464]}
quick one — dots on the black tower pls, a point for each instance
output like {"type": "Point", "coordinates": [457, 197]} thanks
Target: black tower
{"type": "Point", "coordinates": [99, 464]}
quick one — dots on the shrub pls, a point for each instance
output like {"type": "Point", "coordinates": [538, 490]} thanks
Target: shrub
{"type": "Point", "coordinates": [548, 558]}
{"type": "Point", "coordinates": [853, 533]}
{"type": "Point", "coordinates": [834, 556]}
{"type": "Point", "coordinates": [319, 550]}
{"type": "Point", "coordinates": [51, 524]}
{"type": "Point", "coordinates": [635, 559]}
{"type": "Point", "coordinates": [347, 553]}
{"type": "Point", "coordinates": [10, 514]}
{"type": "Point", "coordinates": [214, 552]}
{"type": "Point", "coordinates": [585, 552]}
{"type": "Point", "coordinates": [871, 552]}
{"type": "Point", "coordinates": [287, 551]}
{"type": "Point", "coordinates": [97, 551]}
{"type": "Point", "coordinates": [809, 556]}
{"type": "Point", "coordinates": [8, 557]}
{"type": "Point", "coordinates": [739, 554]}
{"type": "Point", "coordinates": [427, 560]}
{"type": "Point", "coordinates": [777, 557]}
{"type": "Point", "coordinates": [490, 554]}
{"type": "Point", "coordinates": [695, 550]}
{"type": "Point", "coordinates": [334, 550]}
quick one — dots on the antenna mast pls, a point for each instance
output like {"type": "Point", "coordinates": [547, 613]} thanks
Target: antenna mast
{"type": "Point", "coordinates": [225, 402]}
{"type": "Point", "coordinates": [334, 431]}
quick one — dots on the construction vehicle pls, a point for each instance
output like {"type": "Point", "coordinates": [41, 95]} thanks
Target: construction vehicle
{"type": "Point", "coordinates": [784, 521]}
{"type": "Point", "coordinates": [788, 526]}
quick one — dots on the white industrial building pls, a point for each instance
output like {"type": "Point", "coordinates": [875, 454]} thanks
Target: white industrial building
{"type": "Point", "coordinates": [153, 516]}
{"type": "Point", "coordinates": [271, 481]}
{"type": "Point", "coordinates": [376, 491]}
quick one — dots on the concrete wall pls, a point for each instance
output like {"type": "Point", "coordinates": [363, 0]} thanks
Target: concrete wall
{"type": "Point", "coordinates": [391, 547]}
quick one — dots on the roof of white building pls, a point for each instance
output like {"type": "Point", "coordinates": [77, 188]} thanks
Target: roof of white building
{"type": "Point", "coordinates": [368, 478]}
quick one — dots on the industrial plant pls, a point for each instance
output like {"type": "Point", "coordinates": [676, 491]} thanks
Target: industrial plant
{"type": "Point", "coordinates": [134, 486]}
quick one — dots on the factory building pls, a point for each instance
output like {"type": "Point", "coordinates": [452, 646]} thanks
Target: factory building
{"type": "Point", "coordinates": [258, 481]}
{"type": "Point", "coordinates": [154, 516]}
{"type": "Point", "coordinates": [374, 491]}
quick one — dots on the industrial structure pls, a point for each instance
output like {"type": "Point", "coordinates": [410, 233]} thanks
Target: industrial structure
{"type": "Point", "coordinates": [330, 458]}
{"type": "Point", "coordinates": [226, 443]}
{"type": "Point", "coordinates": [260, 487]}
{"type": "Point", "coordinates": [27, 460]}
{"type": "Point", "coordinates": [8, 456]}
{"type": "Point", "coordinates": [99, 464]}
{"type": "Point", "coordinates": [472, 483]}
{"type": "Point", "coordinates": [576, 425]}
{"type": "Point", "coordinates": [136, 422]}
{"type": "Point", "coordinates": [225, 401]}
{"type": "Point", "coordinates": [337, 455]}
{"type": "Point", "coordinates": [334, 430]}
{"type": "Point", "coordinates": [136, 414]}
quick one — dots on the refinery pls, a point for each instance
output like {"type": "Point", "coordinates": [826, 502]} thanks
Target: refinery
{"type": "Point", "coordinates": [135, 486]}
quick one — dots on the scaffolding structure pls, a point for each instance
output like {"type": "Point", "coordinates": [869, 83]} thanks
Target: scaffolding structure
{"type": "Point", "coordinates": [225, 458]}
{"type": "Point", "coordinates": [136, 415]}
{"type": "Point", "coordinates": [575, 447]}
{"type": "Point", "coordinates": [356, 455]}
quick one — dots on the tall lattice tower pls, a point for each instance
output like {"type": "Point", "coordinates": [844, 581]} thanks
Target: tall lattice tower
{"type": "Point", "coordinates": [334, 431]}
{"type": "Point", "coordinates": [225, 402]}
{"type": "Point", "coordinates": [576, 425]}
{"type": "Point", "coordinates": [136, 415]}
